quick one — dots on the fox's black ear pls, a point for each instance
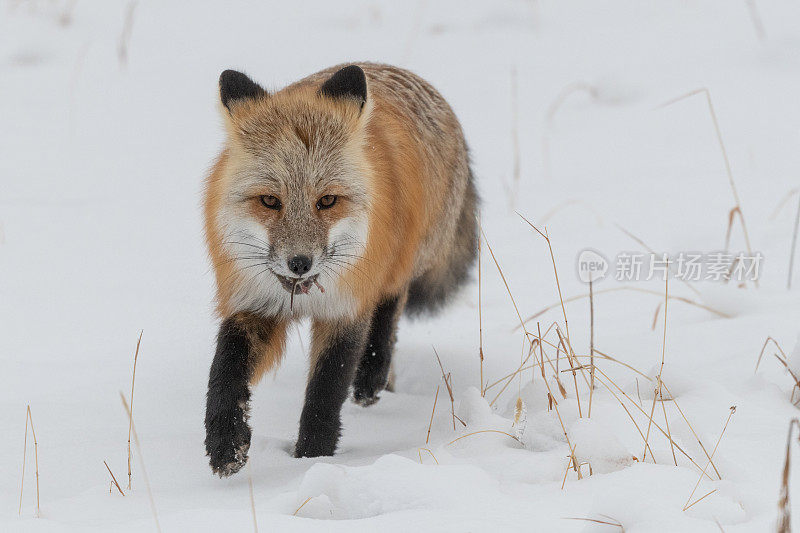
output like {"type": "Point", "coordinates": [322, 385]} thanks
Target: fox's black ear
{"type": "Point", "coordinates": [349, 82]}
{"type": "Point", "coordinates": [234, 85]}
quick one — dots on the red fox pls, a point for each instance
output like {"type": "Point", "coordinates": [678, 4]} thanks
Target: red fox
{"type": "Point", "coordinates": [347, 198]}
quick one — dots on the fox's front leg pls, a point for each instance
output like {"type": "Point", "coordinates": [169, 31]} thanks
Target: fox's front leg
{"type": "Point", "coordinates": [336, 349]}
{"type": "Point", "coordinates": [247, 346]}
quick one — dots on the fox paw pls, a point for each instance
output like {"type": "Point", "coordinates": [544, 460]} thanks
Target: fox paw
{"type": "Point", "coordinates": [228, 464]}
{"type": "Point", "coordinates": [365, 394]}
{"type": "Point", "coordinates": [227, 442]}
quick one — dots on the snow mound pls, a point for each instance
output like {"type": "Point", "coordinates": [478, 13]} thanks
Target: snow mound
{"type": "Point", "coordinates": [342, 492]}
{"type": "Point", "coordinates": [474, 409]}
{"type": "Point", "coordinates": [598, 446]}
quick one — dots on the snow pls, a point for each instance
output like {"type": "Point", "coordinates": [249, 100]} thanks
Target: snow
{"type": "Point", "coordinates": [101, 168]}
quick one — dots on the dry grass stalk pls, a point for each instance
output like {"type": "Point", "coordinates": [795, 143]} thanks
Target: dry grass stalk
{"type": "Point", "coordinates": [783, 202]}
{"type": "Point", "coordinates": [546, 237]}
{"type": "Point", "coordinates": [419, 452]}
{"type": "Point", "coordinates": [731, 217]}
{"type": "Point", "coordinates": [569, 465]}
{"type": "Point", "coordinates": [541, 354]}
{"type": "Point", "coordinates": [655, 317]}
{"type": "Point", "coordinates": [638, 393]}
{"type": "Point", "coordinates": [585, 206]}
{"type": "Point", "coordinates": [482, 431]}
{"type": "Point", "coordinates": [552, 109]}
{"type": "Point", "coordinates": [521, 368]}
{"type": "Point", "coordinates": [29, 419]}
{"type": "Point", "coordinates": [791, 372]}
{"type": "Point", "coordinates": [572, 369]}
{"type": "Point", "coordinates": [624, 288]}
{"type": "Point", "coordinates": [783, 359]}
{"type": "Point", "coordinates": [125, 36]}
{"type": "Point", "coordinates": [503, 277]}
{"type": "Point", "coordinates": [301, 506]}
{"type": "Point", "coordinates": [657, 391]}
{"type": "Point", "coordinates": [764, 347]}
{"type": "Point", "coordinates": [514, 137]}
{"type": "Point", "coordinates": [113, 479]}
{"type": "Point", "coordinates": [510, 377]}
{"type": "Point", "coordinates": [738, 204]}
{"type": "Point", "coordinates": [607, 521]}
{"type": "Point", "coordinates": [141, 460]}
{"type": "Point", "coordinates": [650, 420]}
{"type": "Point", "coordinates": [714, 451]}
{"type": "Point", "coordinates": [591, 345]}
{"type": "Point", "coordinates": [794, 245]}
{"type": "Point", "coordinates": [252, 497]}
{"type": "Point", "coordinates": [480, 316]}
{"type": "Point", "coordinates": [698, 500]}
{"type": "Point", "coordinates": [555, 406]}
{"type": "Point", "coordinates": [511, 296]}
{"type": "Point", "coordinates": [603, 383]}
{"type": "Point", "coordinates": [755, 18]}
{"type": "Point", "coordinates": [448, 383]}
{"type": "Point", "coordinates": [785, 518]}
{"type": "Point", "coordinates": [621, 363]}
{"type": "Point", "coordinates": [691, 428]}
{"type": "Point", "coordinates": [666, 424]}
{"type": "Point", "coordinates": [433, 411]}
{"type": "Point", "coordinates": [644, 245]}
{"type": "Point", "coordinates": [130, 422]}
{"type": "Point", "coordinates": [568, 343]}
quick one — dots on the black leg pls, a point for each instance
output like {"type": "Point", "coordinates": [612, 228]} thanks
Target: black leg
{"type": "Point", "coordinates": [242, 345]}
{"type": "Point", "coordinates": [373, 369]}
{"type": "Point", "coordinates": [336, 349]}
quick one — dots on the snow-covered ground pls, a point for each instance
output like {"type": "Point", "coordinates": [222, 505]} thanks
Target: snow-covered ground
{"type": "Point", "coordinates": [103, 148]}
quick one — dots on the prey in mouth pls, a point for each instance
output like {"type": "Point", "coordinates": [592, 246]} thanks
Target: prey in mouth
{"type": "Point", "coordinates": [298, 285]}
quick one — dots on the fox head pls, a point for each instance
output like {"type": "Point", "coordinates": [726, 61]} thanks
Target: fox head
{"type": "Point", "coordinates": [293, 210]}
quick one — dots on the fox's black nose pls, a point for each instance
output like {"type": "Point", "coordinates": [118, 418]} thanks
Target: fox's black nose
{"type": "Point", "coordinates": [300, 264]}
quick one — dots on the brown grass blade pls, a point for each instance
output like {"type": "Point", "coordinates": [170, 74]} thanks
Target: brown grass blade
{"type": "Point", "coordinates": [252, 496]}
{"type": "Point", "coordinates": [785, 517]}
{"type": "Point", "coordinates": [433, 411]}
{"type": "Point", "coordinates": [644, 245]}
{"type": "Point", "coordinates": [29, 419]}
{"type": "Point", "coordinates": [130, 422]}
{"type": "Point", "coordinates": [141, 461]}
{"type": "Point", "coordinates": [624, 288]}
{"type": "Point", "coordinates": [714, 451]}
{"type": "Point", "coordinates": [113, 478]}
{"type": "Point", "coordinates": [731, 182]}
{"type": "Point", "coordinates": [483, 431]}
{"type": "Point", "coordinates": [794, 245]}
{"type": "Point", "coordinates": [301, 506]}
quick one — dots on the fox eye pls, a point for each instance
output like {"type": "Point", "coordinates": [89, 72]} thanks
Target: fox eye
{"type": "Point", "coordinates": [326, 201]}
{"type": "Point", "coordinates": [271, 202]}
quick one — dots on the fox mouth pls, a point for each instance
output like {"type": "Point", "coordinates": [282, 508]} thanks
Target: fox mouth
{"type": "Point", "coordinates": [298, 285]}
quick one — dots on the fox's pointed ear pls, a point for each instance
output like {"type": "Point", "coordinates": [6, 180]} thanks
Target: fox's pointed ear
{"type": "Point", "coordinates": [349, 82]}
{"type": "Point", "coordinates": [234, 85]}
